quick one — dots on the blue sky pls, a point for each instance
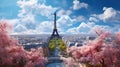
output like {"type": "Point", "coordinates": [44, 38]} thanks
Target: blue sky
{"type": "Point", "coordinates": [73, 16]}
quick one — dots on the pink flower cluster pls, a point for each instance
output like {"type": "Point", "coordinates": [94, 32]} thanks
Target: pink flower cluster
{"type": "Point", "coordinates": [12, 54]}
{"type": "Point", "coordinates": [99, 51]}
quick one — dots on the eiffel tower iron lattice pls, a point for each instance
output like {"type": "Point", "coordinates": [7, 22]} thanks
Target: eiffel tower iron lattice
{"type": "Point", "coordinates": [55, 32]}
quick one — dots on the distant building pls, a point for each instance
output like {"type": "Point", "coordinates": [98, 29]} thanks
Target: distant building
{"type": "Point", "coordinates": [78, 44]}
{"type": "Point", "coordinates": [69, 44]}
{"type": "Point", "coordinates": [28, 46]}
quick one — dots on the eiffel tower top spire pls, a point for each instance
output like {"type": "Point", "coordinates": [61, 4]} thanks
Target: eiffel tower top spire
{"type": "Point", "coordinates": [55, 27]}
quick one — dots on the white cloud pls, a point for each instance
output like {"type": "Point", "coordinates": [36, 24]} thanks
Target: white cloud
{"type": "Point", "coordinates": [93, 19]}
{"type": "Point", "coordinates": [27, 16]}
{"type": "Point", "coordinates": [63, 12]}
{"type": "Point", "coordinates": [45, 10]}
{"type": "Point", "coordinates": [65, 22]}
{"type": "Point", "coordinates": [80, 18]}
{"type": "Point", "coordinates": [72, 31]}
{"type": "Point", "coordinates": [31, 8]}
{"type": "Point", "coordinates": [68, 12]}
{"type": "Point", "coordinates": [45, 27]}
{"type": "Point", "coordinates": [28, 21]}
{"type": "Point", "coordinates": [20, 28]}
{"type": "Point", "coordinates": [78, 5]}
{"type": "Point", "coordinates": [88, 28]}
{"type": "Point", "coordinates": [24, 3]}
{"type": "Point", "coordinates": [105, 28]}
{"type": "Point", "coordinates": [82, 28]}
{"type": "Point", "coordinates": [109, 15]}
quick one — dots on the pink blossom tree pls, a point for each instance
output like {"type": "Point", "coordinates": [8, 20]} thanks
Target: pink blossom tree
{"type": "Point", "coordinates": [98, 52]}
{"type": "Point", "coordinates": [14, 55]}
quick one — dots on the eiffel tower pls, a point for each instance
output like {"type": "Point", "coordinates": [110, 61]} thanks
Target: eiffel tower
{"type": "Point", "coordinates": [55, 32]}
